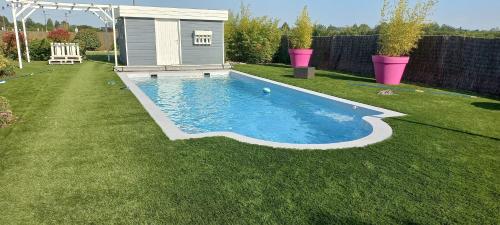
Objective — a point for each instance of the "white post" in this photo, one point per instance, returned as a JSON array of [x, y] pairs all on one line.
[[106, 40], [51, 50], [26, 40], [28, 57], [16, 31], [114, 35]]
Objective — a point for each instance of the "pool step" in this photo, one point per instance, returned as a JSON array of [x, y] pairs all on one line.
[[172, 68]]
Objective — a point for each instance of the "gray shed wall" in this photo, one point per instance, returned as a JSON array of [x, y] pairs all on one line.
[[199, 55], [121, 41], [141, 41]]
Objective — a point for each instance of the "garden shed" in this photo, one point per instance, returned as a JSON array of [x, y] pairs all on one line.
[[157, 36]]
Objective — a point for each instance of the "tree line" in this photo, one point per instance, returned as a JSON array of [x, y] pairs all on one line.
[[31, 25], [429, 29]]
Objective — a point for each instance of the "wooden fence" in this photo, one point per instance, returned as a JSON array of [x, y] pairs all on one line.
[[108, 44], [460, 63]]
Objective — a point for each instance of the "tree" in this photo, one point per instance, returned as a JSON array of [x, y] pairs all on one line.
[[88, 40], [40, 49], [64, 25], [321, 30], [57, 24], [87, 27], [251, 39], [30, 23], [59, 35], [285, 28], [50, 24], [364, 29], [10, 46], [4, 21]]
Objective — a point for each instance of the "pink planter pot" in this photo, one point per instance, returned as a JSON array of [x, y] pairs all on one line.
[[300, 57], [389, 70]]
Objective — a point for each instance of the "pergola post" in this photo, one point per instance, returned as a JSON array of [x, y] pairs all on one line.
[[114, 35], [16, 31], [28, 57], [27, 51], [106, 41]]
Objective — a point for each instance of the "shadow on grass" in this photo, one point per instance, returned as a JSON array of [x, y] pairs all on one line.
[[100, 58], [336, 76], [487, 105], [446, 128], [277, 65], [330, 74]]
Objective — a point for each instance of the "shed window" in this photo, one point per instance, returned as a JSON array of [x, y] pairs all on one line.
[[202, 37]]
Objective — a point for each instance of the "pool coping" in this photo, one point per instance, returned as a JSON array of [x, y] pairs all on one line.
[[381, 130]]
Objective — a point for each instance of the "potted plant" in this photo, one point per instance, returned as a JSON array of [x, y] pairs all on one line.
[[400, 30], [301, 40]]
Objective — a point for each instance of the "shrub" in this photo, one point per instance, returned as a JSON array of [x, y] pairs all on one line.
[[88, 40], [301, 35], [251, 39], [9, 44], [402, 27], [6, 67], [6, 116], [59, 35], [40, 50]]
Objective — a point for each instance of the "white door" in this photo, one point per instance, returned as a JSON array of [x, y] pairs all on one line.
[[167, 42]]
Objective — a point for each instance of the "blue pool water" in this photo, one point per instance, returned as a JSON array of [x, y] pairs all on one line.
[[238, 104]]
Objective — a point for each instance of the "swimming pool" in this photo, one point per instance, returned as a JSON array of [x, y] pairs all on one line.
[[255, 110]]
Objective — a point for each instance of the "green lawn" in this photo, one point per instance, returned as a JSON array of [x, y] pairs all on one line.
[[84, 151]]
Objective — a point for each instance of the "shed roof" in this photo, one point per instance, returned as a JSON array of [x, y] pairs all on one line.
[[172, 13]]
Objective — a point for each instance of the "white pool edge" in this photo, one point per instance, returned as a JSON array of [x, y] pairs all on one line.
[[381, 130]]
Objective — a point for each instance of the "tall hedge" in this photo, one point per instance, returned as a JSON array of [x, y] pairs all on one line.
[[251, 39], [40, 50], [9, 44], [88, 40]]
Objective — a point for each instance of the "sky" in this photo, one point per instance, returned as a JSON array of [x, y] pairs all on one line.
[[469, 14]]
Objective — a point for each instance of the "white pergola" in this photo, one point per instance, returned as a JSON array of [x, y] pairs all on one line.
[[24, 8]]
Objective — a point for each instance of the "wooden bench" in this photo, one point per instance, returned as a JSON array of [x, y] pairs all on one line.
[[65, 53]]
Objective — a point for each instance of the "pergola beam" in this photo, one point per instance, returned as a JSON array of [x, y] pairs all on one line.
[[66, 8], [29, 14], [24, 8], [60, 4], [100, 17], [105, 14]]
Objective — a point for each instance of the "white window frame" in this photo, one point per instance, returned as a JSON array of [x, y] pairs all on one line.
[[202, 38]]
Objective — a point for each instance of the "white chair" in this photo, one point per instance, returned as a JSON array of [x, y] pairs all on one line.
[[65, 53]]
